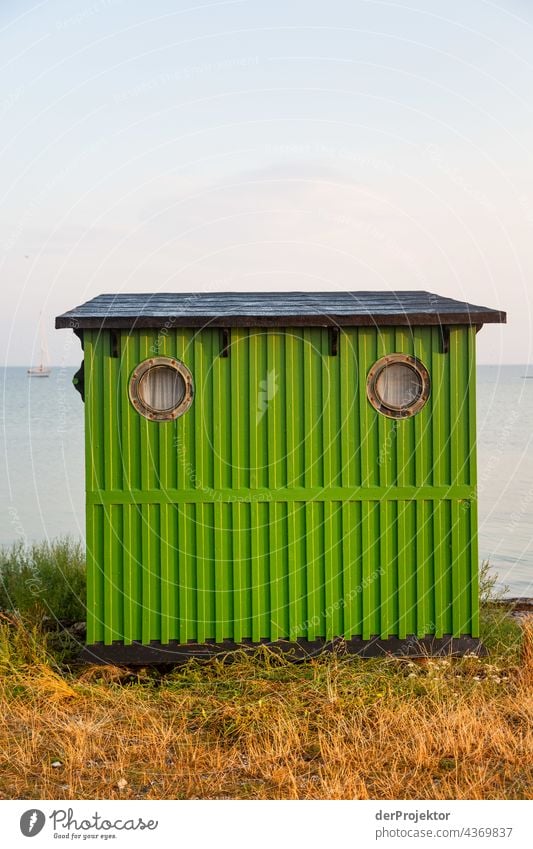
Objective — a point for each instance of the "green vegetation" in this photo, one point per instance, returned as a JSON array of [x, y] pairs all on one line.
[[45, 579]]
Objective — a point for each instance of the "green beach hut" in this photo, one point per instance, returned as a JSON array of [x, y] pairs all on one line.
[[290, 468]]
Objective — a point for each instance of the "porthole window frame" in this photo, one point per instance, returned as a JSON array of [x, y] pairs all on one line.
[[374, 375], [151, 413]]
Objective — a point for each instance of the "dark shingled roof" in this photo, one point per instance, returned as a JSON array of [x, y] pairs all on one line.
[[274, 309]]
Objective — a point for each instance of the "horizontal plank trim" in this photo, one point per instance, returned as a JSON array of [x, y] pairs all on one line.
[[334, 493]]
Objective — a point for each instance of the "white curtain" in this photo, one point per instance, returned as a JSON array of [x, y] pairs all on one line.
[[162, 388], [398, 386]]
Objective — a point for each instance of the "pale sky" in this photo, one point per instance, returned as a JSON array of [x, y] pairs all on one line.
[[239, 145]]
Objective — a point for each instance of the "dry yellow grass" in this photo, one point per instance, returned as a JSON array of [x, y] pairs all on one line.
[[265, 729]]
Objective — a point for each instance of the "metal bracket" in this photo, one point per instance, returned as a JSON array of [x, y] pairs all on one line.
[[224, 342], [114, 341], [445, 339], [333, 341]]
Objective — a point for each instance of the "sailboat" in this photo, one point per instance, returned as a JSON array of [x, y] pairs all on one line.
[[43, 369]]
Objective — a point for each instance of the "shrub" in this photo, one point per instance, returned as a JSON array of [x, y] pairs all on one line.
[[44, 579]]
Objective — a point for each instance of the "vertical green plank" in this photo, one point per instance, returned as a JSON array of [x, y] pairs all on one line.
[[276, 578], [473, 535], [404, 567], [429, 507], [203, 360], [147, 602], [457, 582], [131, 467], [312, 555], [186, 572], [127, 542], [260, 571], [329, 567], [474, 571], [466, 571], [404, 432], [117, 571], [112, 417], [174, 573], [424, 476], [313, 407], [386, 430], [367, 356], [95, 412], [89, 411], [264, 569], [394, 576], [422, 420], [94, 576], [138, 524], [258, 590], [189, 445], [460, 465], [93, 599], [331, 449], [271, 408], [439, 402], [259, 403], [377, 568], [243, 398], [240, 415], [352, 568], [439, 566], [247, 569], [294, 406], [337, 571], [154, 565], [308, 411], [448, 575], [458, 405], [386, 561], [201, 570], [145, 459], [412, 570], [367, 561], [334, 623], [238, 572], [202, 409], [347, 532], [163, 345], [297, 570], [183, 442], [223, 571], [167, 579], [253, 390], [421, 555], [204, 571], [280, 413], [130, 417], [349, 413], [109, 589], [225, 425]]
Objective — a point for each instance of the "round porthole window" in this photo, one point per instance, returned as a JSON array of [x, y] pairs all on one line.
[[398, 386], [161, 389]]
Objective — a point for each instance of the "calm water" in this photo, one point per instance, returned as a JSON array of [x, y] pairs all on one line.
[[42, 459]]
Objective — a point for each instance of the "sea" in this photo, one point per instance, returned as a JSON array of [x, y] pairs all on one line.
[[42, 465]]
